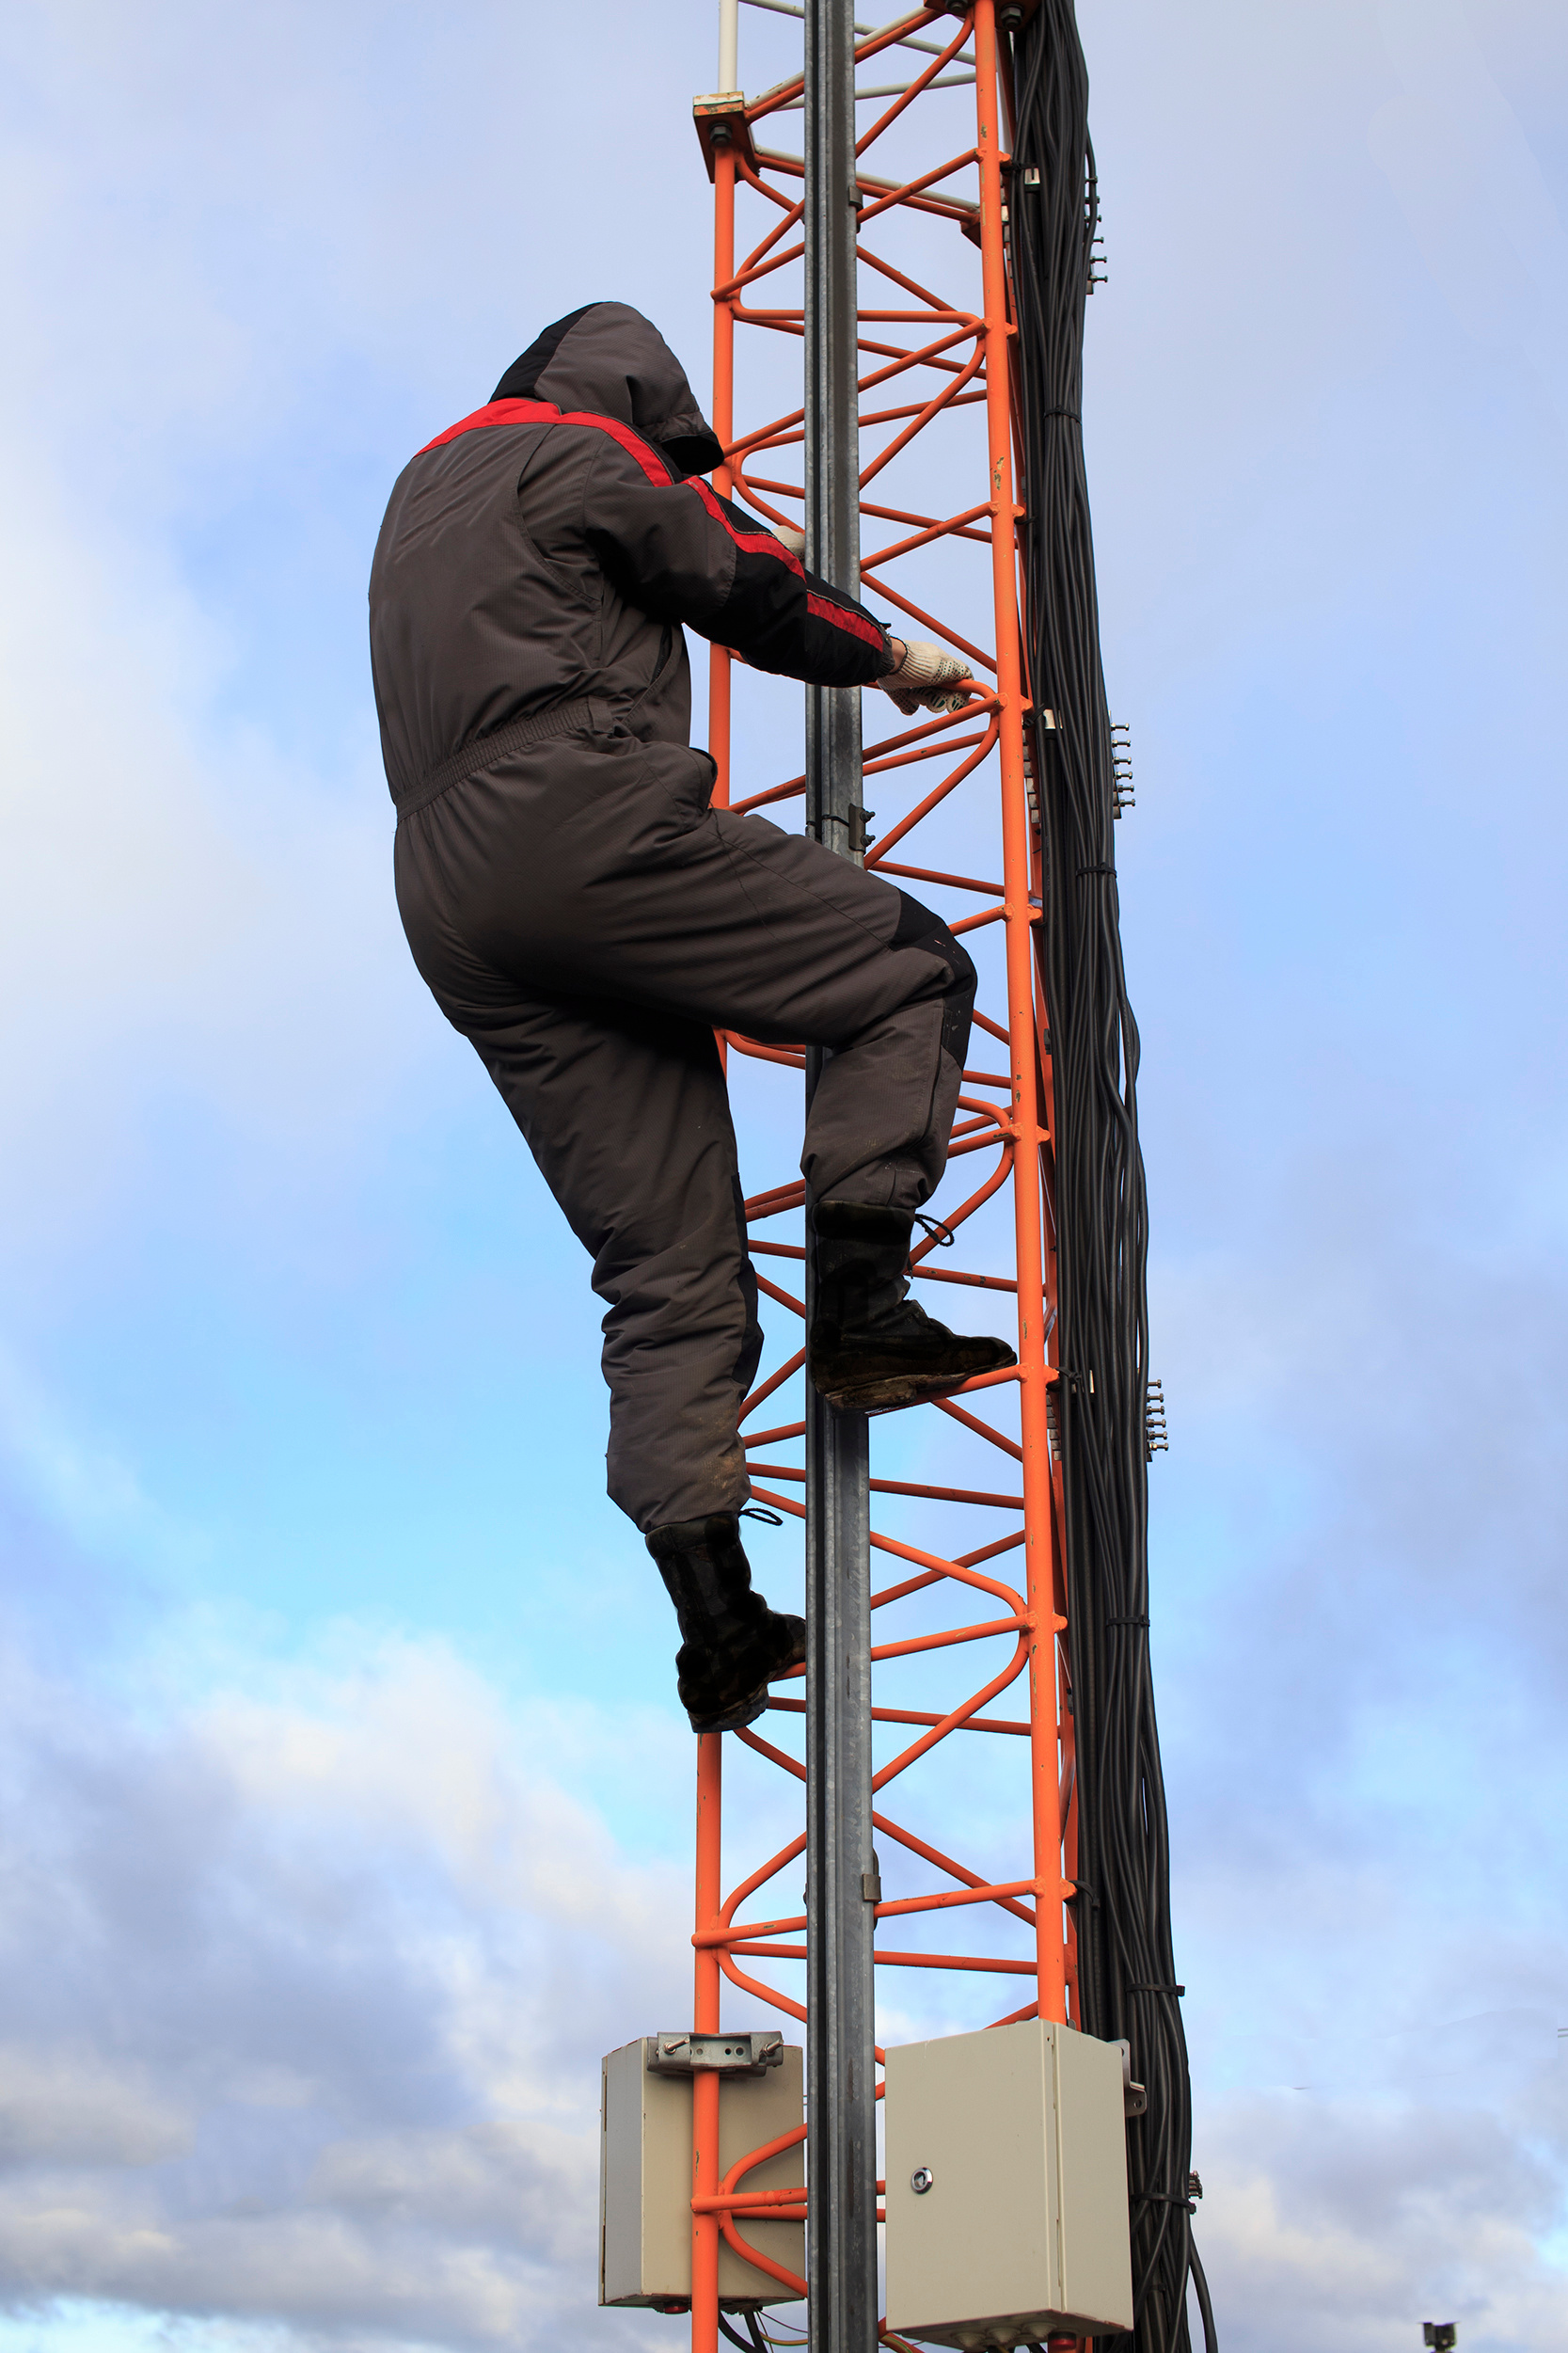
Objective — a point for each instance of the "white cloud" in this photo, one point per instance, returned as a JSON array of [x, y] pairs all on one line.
[[193, 910], [306, 1987], [74, 2107], [308, 1995], [181, 911], [1350, 2224]]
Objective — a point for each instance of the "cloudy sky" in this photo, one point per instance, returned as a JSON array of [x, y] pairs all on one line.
[[344, 1823]]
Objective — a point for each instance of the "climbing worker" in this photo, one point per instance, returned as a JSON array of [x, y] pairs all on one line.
[[587, 921]]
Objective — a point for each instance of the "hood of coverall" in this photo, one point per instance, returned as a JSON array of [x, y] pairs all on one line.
[[609, 360]]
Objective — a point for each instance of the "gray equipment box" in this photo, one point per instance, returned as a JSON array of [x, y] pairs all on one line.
[[645, 2179], [1007, 2188]]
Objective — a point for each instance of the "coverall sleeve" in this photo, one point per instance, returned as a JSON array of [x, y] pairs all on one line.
[[680, 552]]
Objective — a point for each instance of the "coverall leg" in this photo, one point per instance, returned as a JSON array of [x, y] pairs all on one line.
[[587, 921]]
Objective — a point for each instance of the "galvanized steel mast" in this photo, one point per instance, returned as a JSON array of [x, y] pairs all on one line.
[[840, 1864]]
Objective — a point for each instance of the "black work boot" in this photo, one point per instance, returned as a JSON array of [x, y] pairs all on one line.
[[872, 1348], [732, 1643]]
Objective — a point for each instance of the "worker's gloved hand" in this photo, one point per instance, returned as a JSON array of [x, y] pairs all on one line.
[[926, 679]]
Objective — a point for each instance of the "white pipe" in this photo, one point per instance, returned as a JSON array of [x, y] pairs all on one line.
[[729, 44]]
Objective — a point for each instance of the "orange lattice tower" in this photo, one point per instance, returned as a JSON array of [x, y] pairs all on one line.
[[978, 1567]]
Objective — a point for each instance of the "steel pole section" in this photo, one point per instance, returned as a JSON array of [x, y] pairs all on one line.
[[705, 2082], [719, 674], [841, 2110]]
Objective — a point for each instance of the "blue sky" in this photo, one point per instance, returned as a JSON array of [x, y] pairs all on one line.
[[346, 1824]]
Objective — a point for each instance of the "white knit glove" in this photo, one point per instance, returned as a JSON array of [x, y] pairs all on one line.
[[926, 679], [794, 540]]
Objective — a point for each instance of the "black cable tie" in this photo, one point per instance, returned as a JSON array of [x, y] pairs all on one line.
[[1083, 870], [1124, 1621], [1155, 1989], [943, 1235], [760, 1511], [1161, 2198], [1075, 414]]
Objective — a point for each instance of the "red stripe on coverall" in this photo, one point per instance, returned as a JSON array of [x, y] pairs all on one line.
[[545, 413], [762, 542], [754, 543]]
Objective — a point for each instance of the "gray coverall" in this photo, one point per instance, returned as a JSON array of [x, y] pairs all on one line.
[[580, 913]]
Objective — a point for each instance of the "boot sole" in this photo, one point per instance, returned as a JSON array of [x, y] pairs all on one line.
[[891, 1392], [733, 1719], [744, 1711]]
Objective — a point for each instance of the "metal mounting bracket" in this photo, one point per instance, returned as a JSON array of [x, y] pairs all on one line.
[[1134, 2097], [722, 121], [720, 2054]]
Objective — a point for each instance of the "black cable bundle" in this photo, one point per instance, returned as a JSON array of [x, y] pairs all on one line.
[[1125, 1968]]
